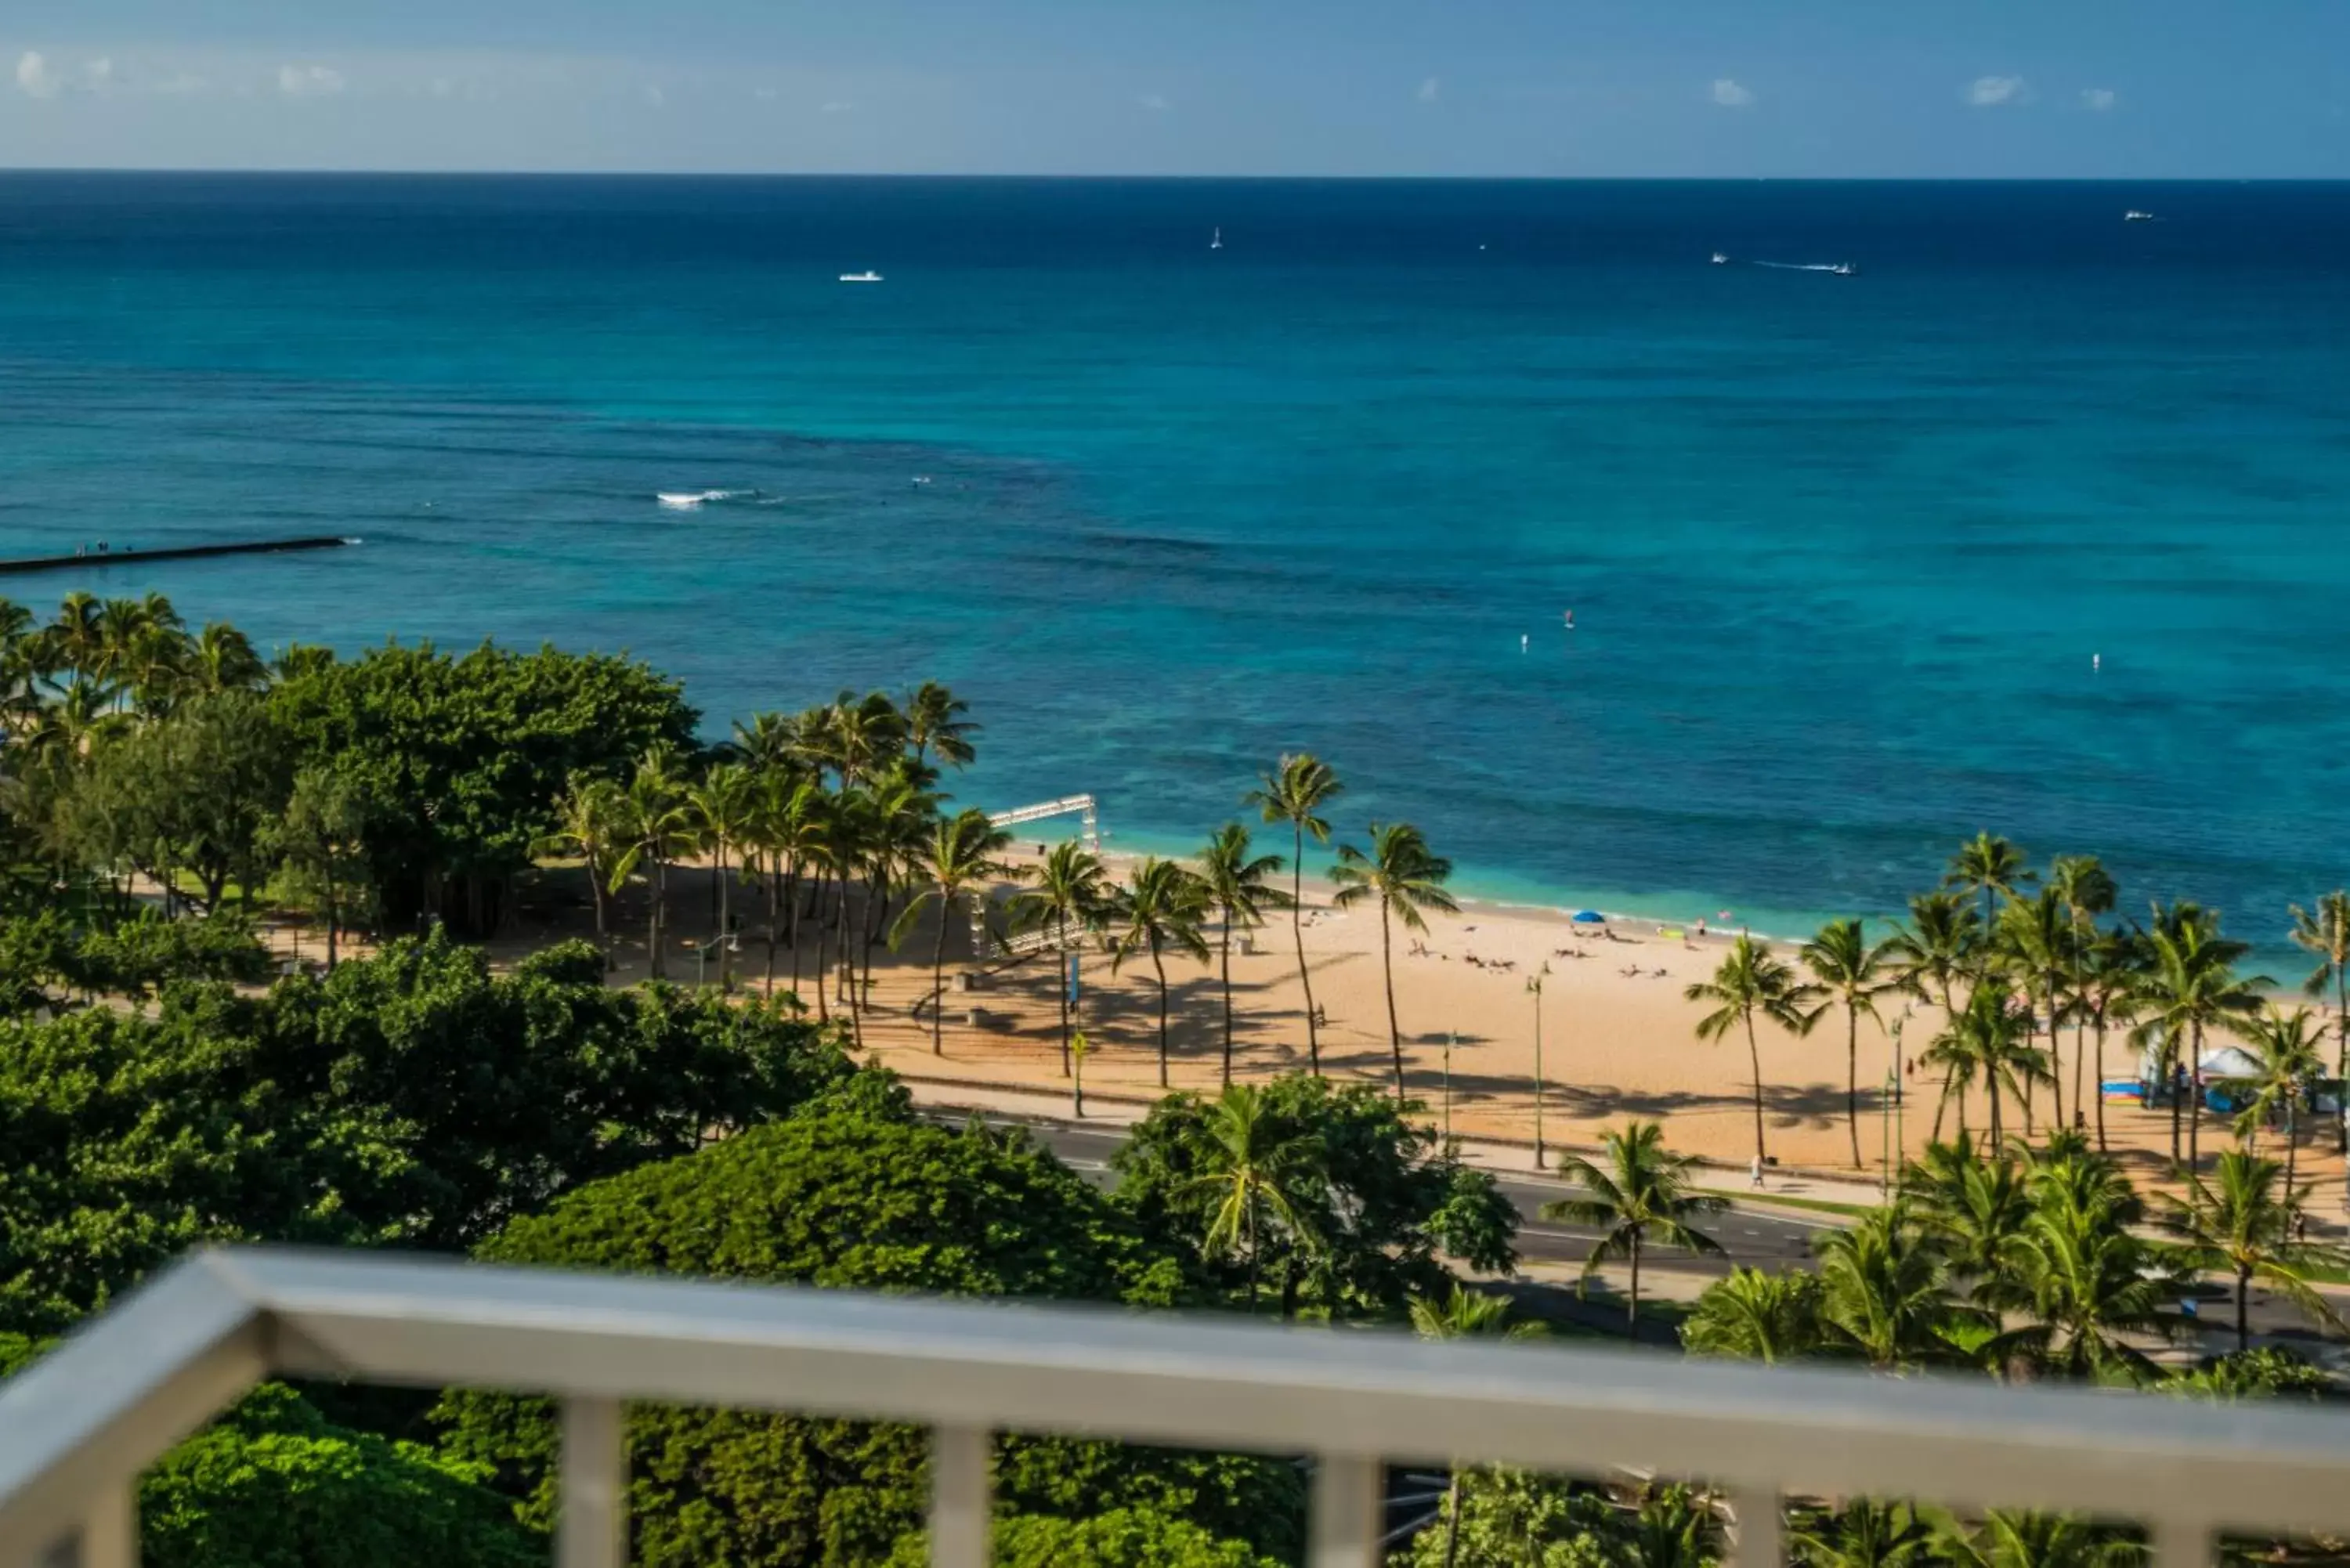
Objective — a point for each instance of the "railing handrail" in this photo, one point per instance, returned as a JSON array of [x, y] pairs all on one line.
[[120, 1390]]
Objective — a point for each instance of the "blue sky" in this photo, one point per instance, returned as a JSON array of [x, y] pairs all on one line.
[[1680, 87]]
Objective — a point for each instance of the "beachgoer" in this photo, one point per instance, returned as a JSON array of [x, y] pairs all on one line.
[[1754, 1172], [1570, 621], [1701, 927], [2096, 662], [1524, 641]]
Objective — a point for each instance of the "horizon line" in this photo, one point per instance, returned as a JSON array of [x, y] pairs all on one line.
[[747, 175]]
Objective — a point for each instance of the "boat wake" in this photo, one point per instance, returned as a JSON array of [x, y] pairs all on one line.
[[1843, 268]]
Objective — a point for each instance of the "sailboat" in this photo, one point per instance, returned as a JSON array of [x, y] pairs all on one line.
[[1217, 244]]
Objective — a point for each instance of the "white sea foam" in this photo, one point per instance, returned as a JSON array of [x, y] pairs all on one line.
[[689, 500]]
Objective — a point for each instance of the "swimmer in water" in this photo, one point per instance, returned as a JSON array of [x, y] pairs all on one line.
[[2096, 662], [1524, 641], [1568, 620]]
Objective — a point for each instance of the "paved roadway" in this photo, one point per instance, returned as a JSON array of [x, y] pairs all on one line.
[[1749, 1235]]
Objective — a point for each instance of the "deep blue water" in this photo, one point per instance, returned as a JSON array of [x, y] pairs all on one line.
[[1840, 549]]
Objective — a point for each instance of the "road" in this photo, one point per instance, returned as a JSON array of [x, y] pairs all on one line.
[[1750, 1236]]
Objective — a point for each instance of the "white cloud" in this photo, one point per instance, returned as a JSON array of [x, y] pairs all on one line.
[[1991, 92], [33, 75], [180, 84], [98, 75], [655, 97], [837, 107], [1431, 90], [764, 94], [1730, 95], [1154, 102], [310, 81], [2099, 98]]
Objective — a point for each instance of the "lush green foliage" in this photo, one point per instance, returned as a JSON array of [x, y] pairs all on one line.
[[414, 1098], [851, 1198], [1368, 1199], [460, 761]]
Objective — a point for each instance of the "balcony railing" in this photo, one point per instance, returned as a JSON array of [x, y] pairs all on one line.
[[76, 1429]]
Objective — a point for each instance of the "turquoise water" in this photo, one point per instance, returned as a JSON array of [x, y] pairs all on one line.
[[1840, 549]]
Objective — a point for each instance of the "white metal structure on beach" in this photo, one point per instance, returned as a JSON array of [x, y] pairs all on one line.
[[79, 1427], [1018, 816]]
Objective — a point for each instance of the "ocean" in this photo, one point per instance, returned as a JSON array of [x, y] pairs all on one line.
[[1841, 550]]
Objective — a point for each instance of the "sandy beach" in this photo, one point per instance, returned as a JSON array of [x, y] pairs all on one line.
[[1619, 1038]]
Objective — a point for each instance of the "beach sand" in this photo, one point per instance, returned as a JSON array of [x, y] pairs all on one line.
[[1619, 1038]]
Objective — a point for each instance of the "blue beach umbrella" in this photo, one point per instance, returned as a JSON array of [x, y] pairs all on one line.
[[1589, 918]]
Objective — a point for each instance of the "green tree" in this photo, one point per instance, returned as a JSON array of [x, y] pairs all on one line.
[[1849, 969], [2287, 1046], [1391, 1199], [2086, 889], [1933, 952], [2084, 1286], [191, 793], [1885, 1291], [1863, 1533], [655, 829], [2190, 986], [463, 759], [587, 822], [878, 1203], [1753, 1316], [2038, 937], [2325, 932], [1973, 1207], [1262, 1172], [1240, 885], [1642, 1196], [1297, 792], [722, 818], [320, 842], [1070, 896], [1987, 1040], [1751, 979], [1160, 907], [1991, 868], [1402, 878], [935, 721], [2246, 1220], [1465, 1314], [2018, 1539]]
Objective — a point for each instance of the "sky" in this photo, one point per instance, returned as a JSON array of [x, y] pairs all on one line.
[[1785, 89]]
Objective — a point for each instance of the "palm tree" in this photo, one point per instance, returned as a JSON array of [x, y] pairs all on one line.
[[960, 857], [1989, 866], [1865, 1533], [1972, 1208], [2191, 986], [1465, 1314], [1885, 1291], [1755, 1316], [2286, 1044], [1160, 907], [655, 828], [1296, 793], [2244, 1220], [2325, 932], [2085, 1285], [2086, 889], [2110, 979], [2019, 1540], [1403, 879], [1072, 889], [723, 810], [935, 723], [1240, 886], [1261, 1166], [1933, 952], [1851, 970], [789, 819], [588, 816], [1645, 1194], [1750, 980], [2039, 938], [223, 660], [1986, 1041]]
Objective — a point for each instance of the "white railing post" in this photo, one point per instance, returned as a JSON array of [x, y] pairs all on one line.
[[1756, 1536], [1346, 1522], [960, 1512], [591, 1498]]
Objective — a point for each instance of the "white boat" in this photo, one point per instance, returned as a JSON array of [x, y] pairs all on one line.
[[1720, 258], [2134, 216], [860, 277], [1844, 269], [1217, 243]]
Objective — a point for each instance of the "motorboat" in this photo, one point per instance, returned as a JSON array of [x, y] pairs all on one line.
[[1720, 258], [2134, 216], [860, 277]]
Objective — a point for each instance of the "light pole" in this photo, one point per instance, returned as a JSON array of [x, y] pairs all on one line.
[[1535, 985], [1451, 1040]]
